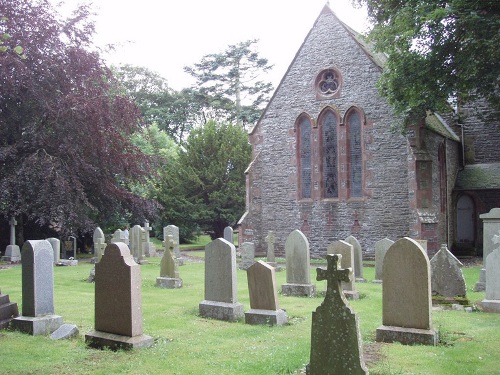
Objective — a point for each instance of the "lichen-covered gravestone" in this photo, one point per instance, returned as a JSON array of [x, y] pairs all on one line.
[[169, 271], [99, 243], [172, 230], [406, 295], [270, 240], [381, 248], [447, 279], [38, 316], [491, 228], [137, 242], [335, 338], [221, 300], [358, 258], [347, 252], [298, 278], [264, 307], [491, 303], [118, 302], [247, 255]]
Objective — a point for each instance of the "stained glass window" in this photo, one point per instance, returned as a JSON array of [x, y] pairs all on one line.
[[305, 157], [355, 154], [330, 177]]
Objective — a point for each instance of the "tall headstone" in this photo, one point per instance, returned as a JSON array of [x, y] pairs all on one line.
[[447, 279], [173, 231], [247, 255], [381, 248], [8, 311], [347, 261], [221, 300], [271, 240], [298, 277], [149, 247], [169, 271], [118, 302], [228, 234], [491, 227], [335, 337], [56, 247], [119, 236], [406, 295], [491, 303], [12, 251], [262, 288], [358, 258], [137, 241], [38, 316], [99, 243]]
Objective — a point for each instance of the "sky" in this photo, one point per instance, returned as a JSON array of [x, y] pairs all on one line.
[[165, 36]]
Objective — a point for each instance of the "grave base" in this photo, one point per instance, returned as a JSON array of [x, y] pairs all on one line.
[[101, 340], [351, 294], [38, 325], [491, 305], [168, 282], [12, 254], [266, 317], [273, 264], [67, 262], [221, 310], [298, 290], [377, 281], [407, 336], [481, 284], [360, 280]]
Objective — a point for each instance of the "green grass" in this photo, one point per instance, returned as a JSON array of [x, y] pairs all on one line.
[[185, 343]]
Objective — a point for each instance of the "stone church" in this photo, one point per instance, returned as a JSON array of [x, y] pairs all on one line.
[[326, 161]]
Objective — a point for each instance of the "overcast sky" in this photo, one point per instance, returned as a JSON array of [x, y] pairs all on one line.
[[165, 36]]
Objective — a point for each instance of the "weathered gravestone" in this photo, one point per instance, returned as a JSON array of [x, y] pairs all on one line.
[[228, 234], [169, 271], [264, 307], [66, 331], [270, 240], [137, 241], [247, 255], [358, 258], [381, 248], [447, 279], [298, 278], [221, 301], [38, 316], [12, 251], [99, 243], [119, 236], [491, 227], [8, 311], [56, 248], [335, 337], [491, 303], [149, 247], [347, 256], [118, 302], [406, 295], [172, 230]]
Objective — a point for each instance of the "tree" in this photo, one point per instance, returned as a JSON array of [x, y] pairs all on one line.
[[230, 79], [65, 153], [437, 51], [204, 189]]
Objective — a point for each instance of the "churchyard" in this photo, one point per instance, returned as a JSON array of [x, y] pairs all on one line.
[[186, 343]]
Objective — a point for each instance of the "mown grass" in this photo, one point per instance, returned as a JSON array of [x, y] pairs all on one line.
[[185, 343]]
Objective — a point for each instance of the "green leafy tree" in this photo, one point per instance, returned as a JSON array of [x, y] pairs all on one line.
[[231, 82], [437, 50]]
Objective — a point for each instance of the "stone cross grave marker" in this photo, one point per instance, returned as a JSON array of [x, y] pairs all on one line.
[[347, 256], [447, 279], [298, 278], [264, 307], [381, 248], [406, 295], [12, 251], [173, 231], [491, 227], [118, 302], [358, 258], [38, 316], [149, 248], [99, 243], [137, 241], [56, 247], [335, 337], [221, 300], [169, 271], [228, 234], [270, 240], [491, 303], [247, 255]]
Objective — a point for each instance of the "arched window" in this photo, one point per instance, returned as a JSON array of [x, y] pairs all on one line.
[[328, 122], [355, 152], [305, 164]]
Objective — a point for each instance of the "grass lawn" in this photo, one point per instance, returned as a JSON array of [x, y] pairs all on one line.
[[185, 343]]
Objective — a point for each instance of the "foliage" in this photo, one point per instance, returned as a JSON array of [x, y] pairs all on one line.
[[226, 81], [65, 153], [437, 51], [204, 188]]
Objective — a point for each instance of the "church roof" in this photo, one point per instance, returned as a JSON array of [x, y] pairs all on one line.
[[437, 124], [479, 177]]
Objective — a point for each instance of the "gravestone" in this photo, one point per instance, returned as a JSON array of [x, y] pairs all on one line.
[[173, 231], [335, 337], [406, 295], [66, 331], [12, 251], [149, 247], [169, 271], [347, 262], [228, 234], [247, 255], [137, 241], [56, 247], [8, 311], [119, 236], [447, 279], [69, 253], [491, 303], [270, 240], [221, 301], [264, 307], [491, 227], [358, 258], [99, 243], [118, 302], [298, 277], [38, 316], [381, 248]]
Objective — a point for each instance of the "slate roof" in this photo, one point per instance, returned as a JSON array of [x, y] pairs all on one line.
[[437, 124], [479, 177]]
